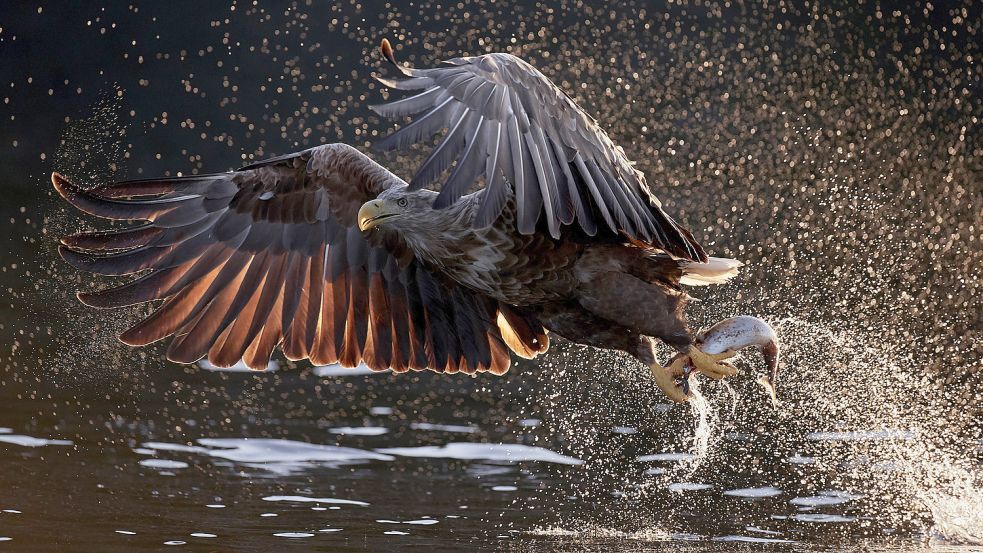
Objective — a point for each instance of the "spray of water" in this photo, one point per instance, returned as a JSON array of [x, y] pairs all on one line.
[[92, 152], [853, 416]]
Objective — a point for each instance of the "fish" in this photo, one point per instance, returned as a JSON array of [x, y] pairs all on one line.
[[737, 333]]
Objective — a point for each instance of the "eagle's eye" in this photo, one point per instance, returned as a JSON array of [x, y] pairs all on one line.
[[402, 202]]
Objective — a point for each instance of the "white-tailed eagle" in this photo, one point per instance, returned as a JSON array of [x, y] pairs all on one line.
[[540, 225]]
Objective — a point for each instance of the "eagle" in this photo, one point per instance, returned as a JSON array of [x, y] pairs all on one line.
[[538, 224]]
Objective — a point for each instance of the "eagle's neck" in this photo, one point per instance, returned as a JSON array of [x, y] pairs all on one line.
[[446, 239], [439, 235]]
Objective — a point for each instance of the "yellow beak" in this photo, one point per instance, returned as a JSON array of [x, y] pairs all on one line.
[[370, 213]]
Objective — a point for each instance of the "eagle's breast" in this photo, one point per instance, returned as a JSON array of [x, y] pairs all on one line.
[[515, 268]]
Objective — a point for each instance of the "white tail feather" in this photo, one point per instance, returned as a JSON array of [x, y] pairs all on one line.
[[717, 270]]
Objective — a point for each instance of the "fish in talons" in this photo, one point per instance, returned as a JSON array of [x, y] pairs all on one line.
[[723, 341]]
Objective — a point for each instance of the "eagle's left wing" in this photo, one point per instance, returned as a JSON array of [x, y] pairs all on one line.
[[508, 123]]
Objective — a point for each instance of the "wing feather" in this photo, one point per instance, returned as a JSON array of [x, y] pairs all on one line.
[[495, 193], [587, 180], [270, 255], [444, 154], [464, 173]]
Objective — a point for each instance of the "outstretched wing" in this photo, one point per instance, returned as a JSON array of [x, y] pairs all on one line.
[[271, 255], [507, 122]]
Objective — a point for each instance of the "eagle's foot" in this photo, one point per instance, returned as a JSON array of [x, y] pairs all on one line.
[[666, 377], [709, 363]]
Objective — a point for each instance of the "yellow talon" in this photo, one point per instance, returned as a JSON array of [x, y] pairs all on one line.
[[709, 363], [664, 377]]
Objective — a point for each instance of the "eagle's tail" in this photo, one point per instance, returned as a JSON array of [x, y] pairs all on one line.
[[717, 270]]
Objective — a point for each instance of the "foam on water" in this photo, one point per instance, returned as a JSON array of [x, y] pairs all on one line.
[[487, 452], [750, 539], [832, 497], [30, 441], [820, 517], [265, 450], [667, 457], [162, 446], [801, 460], [163, 464], [600, 532], [862, 435], [423, 522], [688, 487], [359, 430], [754, 493], [305, 499], [762, 531], [274, 456], [444, 427]]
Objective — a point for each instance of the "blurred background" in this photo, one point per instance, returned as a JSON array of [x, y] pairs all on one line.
[[833, 147]]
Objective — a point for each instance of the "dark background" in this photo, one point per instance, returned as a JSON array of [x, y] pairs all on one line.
[[834, 148]]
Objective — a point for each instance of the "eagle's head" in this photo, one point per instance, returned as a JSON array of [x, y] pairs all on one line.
[[395, 209], [409, 216], [403, 211]]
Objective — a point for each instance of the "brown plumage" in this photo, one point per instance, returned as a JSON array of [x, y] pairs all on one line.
[[332, 258]]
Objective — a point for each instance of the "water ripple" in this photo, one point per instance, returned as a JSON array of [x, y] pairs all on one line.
[[29, 441], [487, 452], [305, 499], [754, 493]]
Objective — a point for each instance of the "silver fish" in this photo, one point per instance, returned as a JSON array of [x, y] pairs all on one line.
[[737, 333]]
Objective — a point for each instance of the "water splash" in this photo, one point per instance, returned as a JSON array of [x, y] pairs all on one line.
[[957, 514], [873, 430], [705, 419], [707, 427], [892, 432]]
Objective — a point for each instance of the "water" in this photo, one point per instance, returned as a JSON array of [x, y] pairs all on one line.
[[466, 472], [833, 148]]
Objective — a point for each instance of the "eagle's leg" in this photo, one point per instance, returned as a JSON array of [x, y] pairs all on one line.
[[652, 309], [666, 377], [576, 324]]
